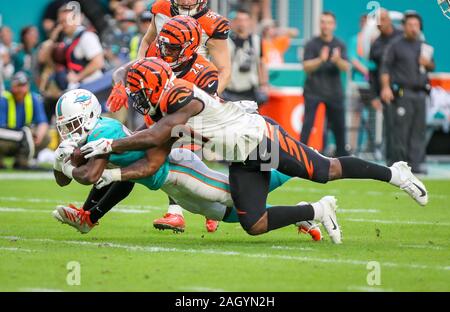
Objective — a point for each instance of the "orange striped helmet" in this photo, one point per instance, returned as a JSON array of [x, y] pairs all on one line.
[[179, 40], [146, 81]]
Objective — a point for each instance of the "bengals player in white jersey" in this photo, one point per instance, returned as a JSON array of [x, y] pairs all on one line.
[[252, 144]]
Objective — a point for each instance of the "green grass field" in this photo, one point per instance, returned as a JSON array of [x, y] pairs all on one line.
[[124, 253]]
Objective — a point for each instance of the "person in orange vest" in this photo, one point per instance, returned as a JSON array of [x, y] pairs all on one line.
[[23, 123]]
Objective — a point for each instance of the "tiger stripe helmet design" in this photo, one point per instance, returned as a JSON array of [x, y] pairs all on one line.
[[179, 40], [146, 81]]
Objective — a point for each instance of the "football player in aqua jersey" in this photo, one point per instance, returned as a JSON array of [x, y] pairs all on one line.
[[177, 172]]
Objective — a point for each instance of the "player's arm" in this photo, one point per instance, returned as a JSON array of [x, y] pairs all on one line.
[[161, 132], [148, 166], [157, 135], [142, 127], [120, 74], [148, 38], [89, 173], [61, 179], [220, 56]]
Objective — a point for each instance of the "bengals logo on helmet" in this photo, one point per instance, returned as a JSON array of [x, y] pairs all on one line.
[[178, 40], [146, 80]]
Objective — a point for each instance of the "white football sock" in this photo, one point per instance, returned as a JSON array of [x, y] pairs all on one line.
[[395, 179], [175, 209], [318, 211]]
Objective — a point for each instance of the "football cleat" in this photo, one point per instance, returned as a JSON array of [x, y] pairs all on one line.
[[329, 220], [211, 225], [311, 228], [170, 221], [410, 184], [73, 216]]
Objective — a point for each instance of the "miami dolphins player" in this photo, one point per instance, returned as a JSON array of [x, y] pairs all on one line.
[[177, 172]]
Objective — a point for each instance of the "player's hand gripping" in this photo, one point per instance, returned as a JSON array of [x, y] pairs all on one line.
[[108, 176], [98, 147], [64, 150]]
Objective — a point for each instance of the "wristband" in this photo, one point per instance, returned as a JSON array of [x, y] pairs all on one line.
[[67, 169], [116, 174], [57, 165]]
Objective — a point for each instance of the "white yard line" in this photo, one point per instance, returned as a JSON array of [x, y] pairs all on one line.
[[402, 222], [292, 248], [16, 249], [319, 190], [66, 201], [368, 289], [27, 176], [40, 290], [48, 211], [156, 249], [357, 211], [201, 289], [423, 247]]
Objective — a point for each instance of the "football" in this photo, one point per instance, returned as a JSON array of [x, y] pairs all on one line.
[[77, 159]]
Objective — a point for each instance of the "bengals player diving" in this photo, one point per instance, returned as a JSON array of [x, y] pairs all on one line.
[[252, 144]]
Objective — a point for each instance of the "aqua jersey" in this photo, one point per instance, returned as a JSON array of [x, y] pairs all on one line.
[[109, 128]]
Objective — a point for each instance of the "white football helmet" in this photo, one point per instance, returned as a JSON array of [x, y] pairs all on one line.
[[77, 112]]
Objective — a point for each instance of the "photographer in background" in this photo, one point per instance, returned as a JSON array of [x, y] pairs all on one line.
[[404, 86], [249, 78]]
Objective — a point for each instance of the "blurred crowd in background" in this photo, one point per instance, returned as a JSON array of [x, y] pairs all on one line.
[[62, 54]]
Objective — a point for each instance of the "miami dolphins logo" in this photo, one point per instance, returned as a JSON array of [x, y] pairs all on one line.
[[82, 98], [445, 7]]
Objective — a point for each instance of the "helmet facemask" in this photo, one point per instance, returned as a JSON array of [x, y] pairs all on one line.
[[189, 10], [73, 128], [141, 98], [172, 53]]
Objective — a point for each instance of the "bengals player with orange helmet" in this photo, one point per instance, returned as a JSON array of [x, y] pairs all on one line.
[[215, 30], [177, 44], [252, 144]]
